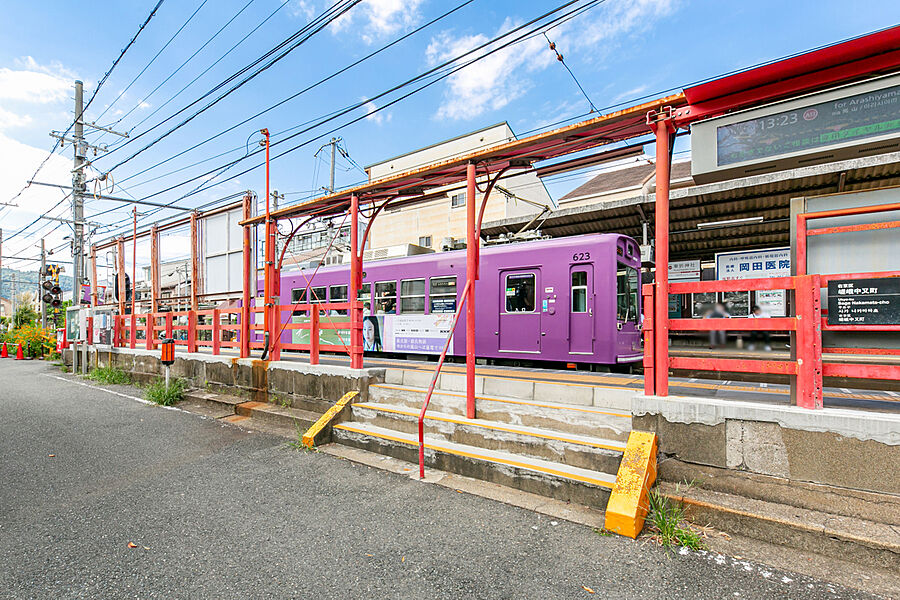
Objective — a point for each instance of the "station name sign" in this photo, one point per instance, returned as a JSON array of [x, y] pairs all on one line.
[[864, 301]]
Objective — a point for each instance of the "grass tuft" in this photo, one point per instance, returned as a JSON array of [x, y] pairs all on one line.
[[109, 375], [667, 523], [157, 392], [298, 443]]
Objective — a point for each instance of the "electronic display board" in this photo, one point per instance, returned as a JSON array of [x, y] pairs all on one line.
[[856, 117]]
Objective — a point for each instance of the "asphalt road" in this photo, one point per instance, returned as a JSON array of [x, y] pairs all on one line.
[[216, 512]]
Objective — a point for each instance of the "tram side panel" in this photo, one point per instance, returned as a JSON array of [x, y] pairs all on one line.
[[557, 300]]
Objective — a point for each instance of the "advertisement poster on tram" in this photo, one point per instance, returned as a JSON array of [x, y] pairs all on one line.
[[418, 334]]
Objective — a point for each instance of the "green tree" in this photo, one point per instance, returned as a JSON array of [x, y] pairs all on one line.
[[25, 315]]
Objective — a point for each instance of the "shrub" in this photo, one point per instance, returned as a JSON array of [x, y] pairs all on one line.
[[157, 392], [35, 341], [109, 375]]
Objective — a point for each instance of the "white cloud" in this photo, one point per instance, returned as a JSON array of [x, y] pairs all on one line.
[[492, 82], [9, 120], [372, 19], [19, 162], [498, 79], [34, 84], [632, 93], [376, 117], [304, 9]]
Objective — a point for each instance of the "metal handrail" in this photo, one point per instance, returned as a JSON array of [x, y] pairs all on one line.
[[437, 371]]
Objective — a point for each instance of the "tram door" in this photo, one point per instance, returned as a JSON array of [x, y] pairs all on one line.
[[628, 318], [581, 309], [520, 315]]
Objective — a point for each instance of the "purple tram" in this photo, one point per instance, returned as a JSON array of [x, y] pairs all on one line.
[[572, 300]]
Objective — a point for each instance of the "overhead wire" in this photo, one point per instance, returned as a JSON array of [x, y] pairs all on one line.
[[313, 85], [147, 66], [436, 74], [306, 32]]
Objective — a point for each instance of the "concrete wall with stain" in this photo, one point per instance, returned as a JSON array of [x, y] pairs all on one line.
[[837, 447], [254, 379]]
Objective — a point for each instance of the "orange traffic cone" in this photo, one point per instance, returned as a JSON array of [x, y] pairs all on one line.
[[19, 355], [4, 353]]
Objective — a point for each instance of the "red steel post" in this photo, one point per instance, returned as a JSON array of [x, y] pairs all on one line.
[[216, 332], [809, 342], [663, 128], [471, 276], [148, 331], [195, 262], [649, 357], [247, 282], [94, 295], [356, 350], [168, 332], [154, 269], [314, 336], [134, 280], [192, 331]]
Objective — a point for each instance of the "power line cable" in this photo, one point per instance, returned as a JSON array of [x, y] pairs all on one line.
[[312, 86], [438, 73], [431, 72], [187, 60], [305, 33], [147, 66]]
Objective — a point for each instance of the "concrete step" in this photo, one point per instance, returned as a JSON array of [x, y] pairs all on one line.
[[235, 409], [554, 480], [848, 538], [555, 416], [611, 397], [571, 449], [860, 504]]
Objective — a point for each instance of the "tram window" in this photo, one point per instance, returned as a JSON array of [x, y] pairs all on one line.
[[627, 289], [338, 293], [365, 296], [385, 297], [579, 291], [520, 293], [412, 296], [443, 294]]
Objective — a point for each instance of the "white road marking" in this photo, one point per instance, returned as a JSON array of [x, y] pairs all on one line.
[[130, 397]]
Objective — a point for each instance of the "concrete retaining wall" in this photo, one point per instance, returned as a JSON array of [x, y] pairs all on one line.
[[255, 379], [845, 448]]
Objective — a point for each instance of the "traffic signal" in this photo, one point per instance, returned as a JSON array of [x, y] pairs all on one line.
[[50, 284]]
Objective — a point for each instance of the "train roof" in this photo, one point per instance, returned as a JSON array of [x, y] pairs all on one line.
[[492, 250]]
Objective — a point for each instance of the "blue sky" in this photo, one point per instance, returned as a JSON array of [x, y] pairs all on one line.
[[620, 50]]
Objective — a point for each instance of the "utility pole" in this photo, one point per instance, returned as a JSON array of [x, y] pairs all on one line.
[[334, 142], [39, 288], [77, 197], [78, 186], [334, 147]]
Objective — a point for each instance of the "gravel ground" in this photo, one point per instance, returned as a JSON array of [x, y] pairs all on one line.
[[217, 512]]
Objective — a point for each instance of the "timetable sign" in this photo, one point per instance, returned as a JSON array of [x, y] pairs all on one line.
[[864, 301]]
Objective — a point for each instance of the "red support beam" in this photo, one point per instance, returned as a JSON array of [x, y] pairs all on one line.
[[735, 324], [854, 228], [858, 371], [734, 365], [216, 332], [662, 125], [356, 345], [247, 278], [314, 336], [471, 275], [154, 269], [808, 388], [148, 331], [95, 299], [649, 357], [195, 262]]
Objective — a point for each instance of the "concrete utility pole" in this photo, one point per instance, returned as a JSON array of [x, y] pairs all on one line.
[[43, 272], [77, 197], [334, 142]]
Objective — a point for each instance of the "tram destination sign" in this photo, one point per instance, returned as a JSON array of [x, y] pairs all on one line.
[[864, 301]]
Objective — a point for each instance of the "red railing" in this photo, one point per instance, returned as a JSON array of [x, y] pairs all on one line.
[[188, 327], [434, 378], [807, 323]]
